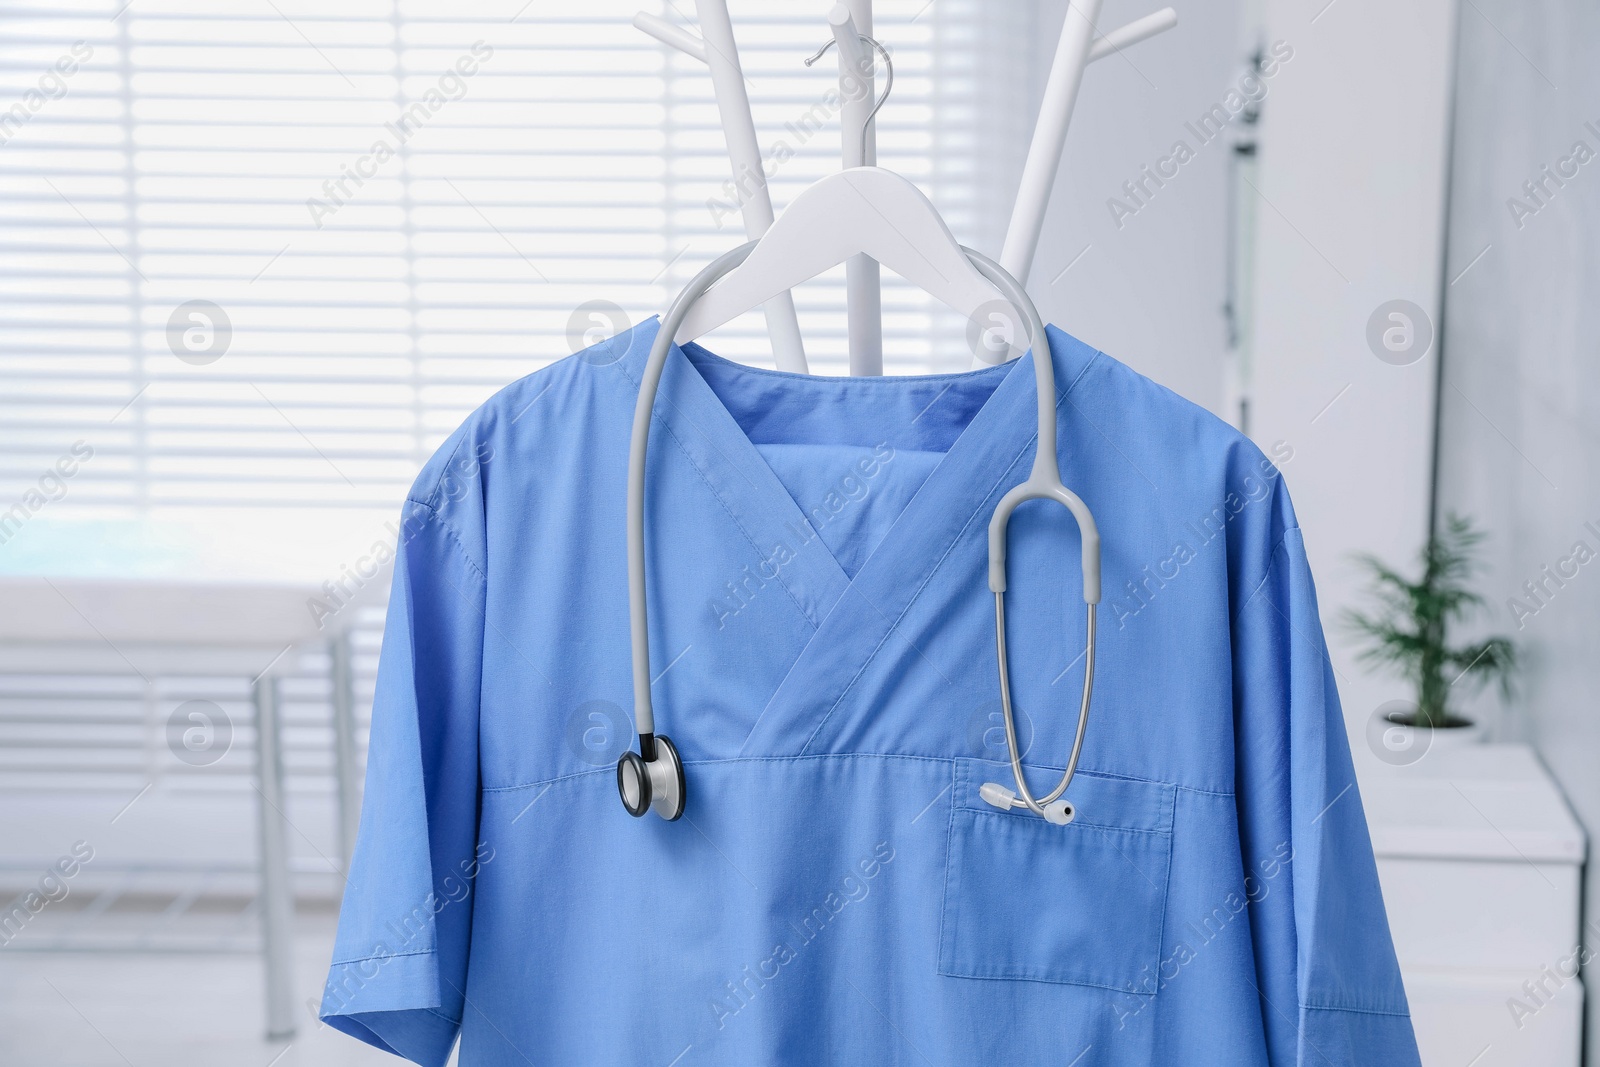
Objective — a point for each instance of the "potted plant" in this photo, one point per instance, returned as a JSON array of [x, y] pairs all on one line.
[[1408, 631]]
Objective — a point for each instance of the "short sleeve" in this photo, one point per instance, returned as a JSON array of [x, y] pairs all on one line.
[[399, 964], [1328, 981]]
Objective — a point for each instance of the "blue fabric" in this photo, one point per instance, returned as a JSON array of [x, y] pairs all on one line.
[[836, 891]]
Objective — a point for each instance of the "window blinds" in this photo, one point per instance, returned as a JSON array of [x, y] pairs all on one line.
[[266, 254]]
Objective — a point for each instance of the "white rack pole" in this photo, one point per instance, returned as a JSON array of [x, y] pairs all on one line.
[[1134, 32], [669, 34], [749, 174], [1075, 51], [861, 14], [863, 295], [1049, 137]]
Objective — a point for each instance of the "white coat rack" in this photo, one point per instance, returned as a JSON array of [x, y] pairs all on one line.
[[1079, 46], [715, 47], [1081, 43], [859, 148]]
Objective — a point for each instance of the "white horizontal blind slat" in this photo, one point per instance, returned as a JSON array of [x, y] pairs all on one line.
[[176, 151]]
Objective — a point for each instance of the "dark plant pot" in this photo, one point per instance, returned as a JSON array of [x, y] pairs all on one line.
[[1451, 722], [1454, 731]]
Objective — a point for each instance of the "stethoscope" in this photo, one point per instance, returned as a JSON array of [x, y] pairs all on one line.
[[652, 778]]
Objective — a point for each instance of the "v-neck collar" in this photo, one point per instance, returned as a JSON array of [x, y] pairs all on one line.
[[853, 619], [733, 468]]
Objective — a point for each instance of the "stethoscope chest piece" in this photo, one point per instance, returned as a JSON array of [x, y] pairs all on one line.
[[655, 783]]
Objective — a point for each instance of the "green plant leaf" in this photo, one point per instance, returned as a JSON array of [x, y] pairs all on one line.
[[1408, 626]]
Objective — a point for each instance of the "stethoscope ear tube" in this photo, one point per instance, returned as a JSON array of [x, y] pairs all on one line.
[[1044, 483], [1088, 533], [638, 450], [1047, 807]]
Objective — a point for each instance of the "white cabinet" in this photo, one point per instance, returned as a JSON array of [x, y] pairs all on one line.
[[1481, 865]]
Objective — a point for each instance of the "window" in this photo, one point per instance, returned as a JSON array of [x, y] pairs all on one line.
[[266, 254]]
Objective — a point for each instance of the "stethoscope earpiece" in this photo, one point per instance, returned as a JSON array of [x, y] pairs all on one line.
[[996, 795]]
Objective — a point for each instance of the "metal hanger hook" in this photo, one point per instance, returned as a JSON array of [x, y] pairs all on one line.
[[888, 81]]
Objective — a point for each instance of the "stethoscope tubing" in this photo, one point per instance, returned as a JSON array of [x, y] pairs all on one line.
[[1044, 482], [638, 450]]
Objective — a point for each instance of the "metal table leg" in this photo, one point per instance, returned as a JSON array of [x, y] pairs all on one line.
[[347, 769], [277, 899]]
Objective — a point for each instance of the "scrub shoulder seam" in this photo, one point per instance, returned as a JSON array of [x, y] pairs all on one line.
[[450, 530], [1272, 565], [438, 482]]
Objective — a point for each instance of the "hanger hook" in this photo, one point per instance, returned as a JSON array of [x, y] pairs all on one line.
[[888, 81]]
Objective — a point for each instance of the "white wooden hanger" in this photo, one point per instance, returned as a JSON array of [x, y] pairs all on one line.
[[861, 211], [1080, 44]]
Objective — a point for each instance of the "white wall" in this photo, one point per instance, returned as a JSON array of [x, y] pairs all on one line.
[[1151, 292], [1352, 188], [1520, 418], [1350, 215]]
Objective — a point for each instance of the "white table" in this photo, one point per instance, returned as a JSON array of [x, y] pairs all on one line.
[[83, 598]]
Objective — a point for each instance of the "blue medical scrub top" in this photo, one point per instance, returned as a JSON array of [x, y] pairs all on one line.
[[822, 636]]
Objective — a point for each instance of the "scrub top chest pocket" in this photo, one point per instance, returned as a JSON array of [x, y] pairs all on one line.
[[1081, 904]]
